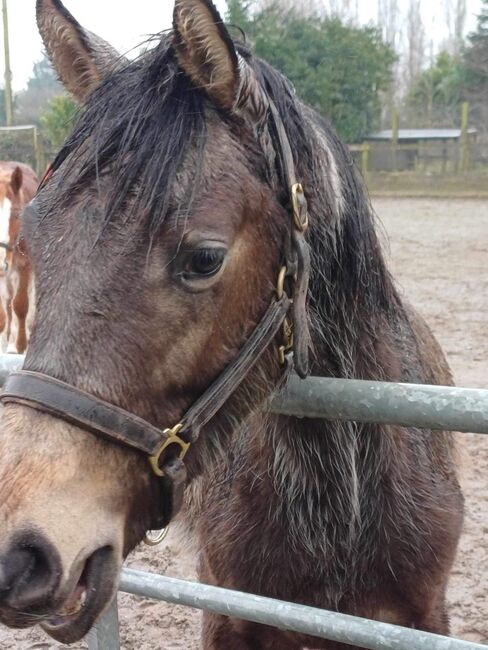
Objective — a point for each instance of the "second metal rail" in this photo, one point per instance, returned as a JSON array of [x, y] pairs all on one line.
[[334, 626]]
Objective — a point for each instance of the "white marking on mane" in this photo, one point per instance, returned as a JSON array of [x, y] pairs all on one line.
[[331, 176]]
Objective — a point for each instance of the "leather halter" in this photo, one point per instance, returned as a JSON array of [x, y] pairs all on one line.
[[167, 448]]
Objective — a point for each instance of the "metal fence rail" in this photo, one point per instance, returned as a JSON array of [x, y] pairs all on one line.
[[445, 408], [287, 616], [105, 634], [433, 407]]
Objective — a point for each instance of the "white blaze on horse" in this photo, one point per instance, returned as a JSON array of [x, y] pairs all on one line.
[[18, 185]]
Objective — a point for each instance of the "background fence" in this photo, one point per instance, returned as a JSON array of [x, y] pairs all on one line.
[[444, 157], [435, 407], [22, 144]]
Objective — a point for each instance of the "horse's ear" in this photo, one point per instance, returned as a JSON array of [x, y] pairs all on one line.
[[80, 58], [205, 50], [16, 180]]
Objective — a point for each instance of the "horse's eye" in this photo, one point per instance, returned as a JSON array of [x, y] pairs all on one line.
[[204, 262]]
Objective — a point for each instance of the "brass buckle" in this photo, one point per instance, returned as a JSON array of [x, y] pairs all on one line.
[[287, 342], [172, 439], [299, 205]]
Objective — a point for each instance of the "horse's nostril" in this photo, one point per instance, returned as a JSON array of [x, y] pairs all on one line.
[[29, 572], [14, 567]]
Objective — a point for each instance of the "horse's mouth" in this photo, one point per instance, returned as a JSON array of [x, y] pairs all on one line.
[[86, 601]]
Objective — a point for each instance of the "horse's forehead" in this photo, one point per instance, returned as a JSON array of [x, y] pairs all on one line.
[[222, 165]]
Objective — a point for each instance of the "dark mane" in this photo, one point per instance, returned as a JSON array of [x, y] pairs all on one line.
[[137, 125]]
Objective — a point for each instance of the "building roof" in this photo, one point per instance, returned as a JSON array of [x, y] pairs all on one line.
[[24, 127], [408, 135]]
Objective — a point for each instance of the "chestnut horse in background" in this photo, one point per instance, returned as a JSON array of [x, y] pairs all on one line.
[[165, 249], [18, 185]]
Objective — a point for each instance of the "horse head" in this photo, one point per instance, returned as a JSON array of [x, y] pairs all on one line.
[[11, 204], [162, 242]]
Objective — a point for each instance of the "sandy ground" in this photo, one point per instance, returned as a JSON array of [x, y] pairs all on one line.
[[438, 251]]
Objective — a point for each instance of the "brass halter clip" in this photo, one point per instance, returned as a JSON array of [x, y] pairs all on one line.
[[172, 439], [287, 344], [300, 209]]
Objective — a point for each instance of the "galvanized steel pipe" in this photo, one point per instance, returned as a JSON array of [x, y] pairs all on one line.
[[416, 405], [9, 363], [287, 616], [105, 634]]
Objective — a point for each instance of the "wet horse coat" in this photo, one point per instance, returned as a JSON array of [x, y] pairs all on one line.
[[18, 185], [157, 244]]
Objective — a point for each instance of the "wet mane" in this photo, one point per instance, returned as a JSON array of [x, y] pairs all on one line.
[[136, 126]]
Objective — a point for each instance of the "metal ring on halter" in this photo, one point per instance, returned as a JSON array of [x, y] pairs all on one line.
[[158, 537]]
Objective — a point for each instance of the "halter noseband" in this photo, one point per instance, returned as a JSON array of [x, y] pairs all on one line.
[[166, 448]]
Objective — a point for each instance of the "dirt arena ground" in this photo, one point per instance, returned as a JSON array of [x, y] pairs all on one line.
[[438, 252]]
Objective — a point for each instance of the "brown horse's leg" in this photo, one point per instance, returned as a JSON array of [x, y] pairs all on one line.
[[21, 307], [218, 634], [223, 633], [9, 318], [436, 618], [3, 318]]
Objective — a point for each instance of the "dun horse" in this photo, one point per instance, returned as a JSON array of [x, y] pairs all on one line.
[[170, 244], [18, 185]]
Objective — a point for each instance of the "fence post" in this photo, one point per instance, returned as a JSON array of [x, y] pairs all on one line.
[[464, 157], [9, 112], [395, 123], [105, 634], [365, 160], [37, 152]]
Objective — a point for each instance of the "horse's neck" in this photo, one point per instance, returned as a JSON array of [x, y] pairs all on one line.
[[319, 469], [322, 481]]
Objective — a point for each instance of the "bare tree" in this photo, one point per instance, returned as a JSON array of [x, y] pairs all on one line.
[[389, 19], [305, 7], [455, 13], [415, 45], [347, 10]]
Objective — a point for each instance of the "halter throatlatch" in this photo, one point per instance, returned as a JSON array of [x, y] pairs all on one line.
[[166, 448]]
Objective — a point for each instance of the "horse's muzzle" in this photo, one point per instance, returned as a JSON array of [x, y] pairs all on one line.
[[32, 590], [30, 573]]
